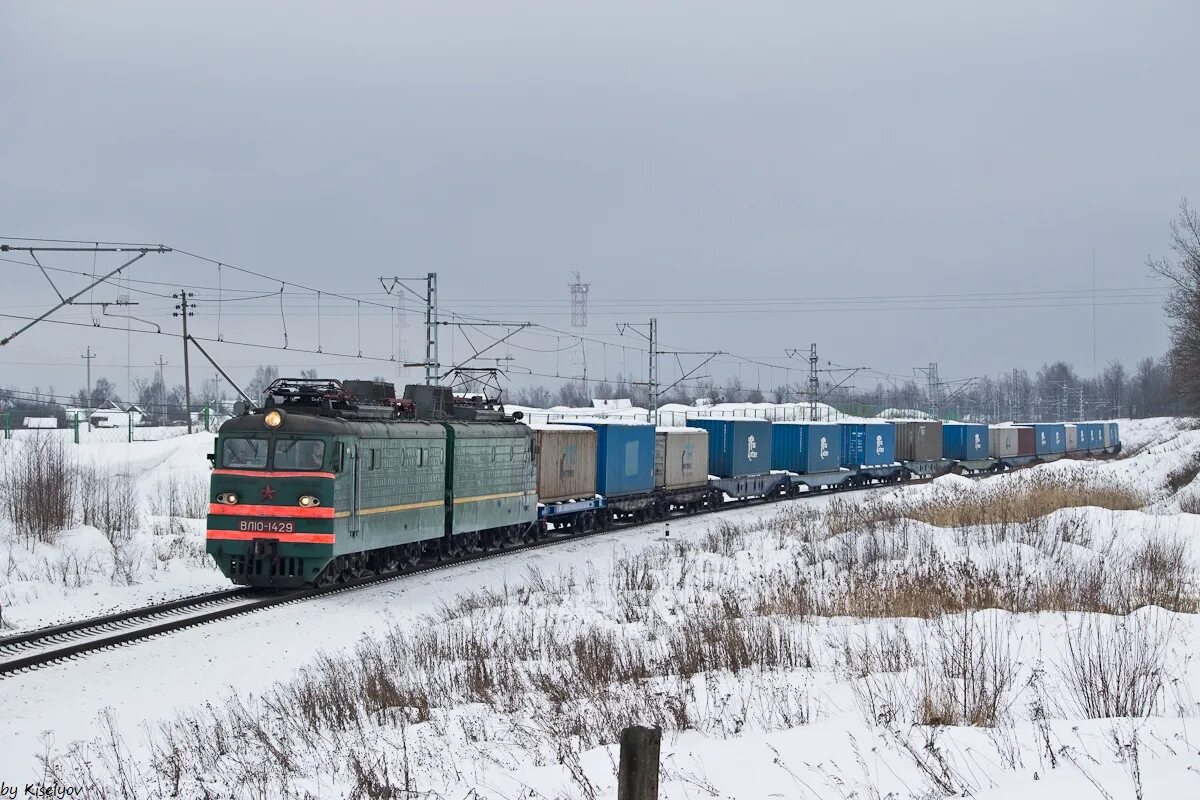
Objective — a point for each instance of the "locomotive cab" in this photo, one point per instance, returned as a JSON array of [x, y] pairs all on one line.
[[272, 497]]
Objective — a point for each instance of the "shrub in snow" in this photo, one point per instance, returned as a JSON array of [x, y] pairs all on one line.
[[37, 487]]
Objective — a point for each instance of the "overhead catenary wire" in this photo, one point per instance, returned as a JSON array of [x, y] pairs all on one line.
[[205, 339], [283, 316], [950, 301]]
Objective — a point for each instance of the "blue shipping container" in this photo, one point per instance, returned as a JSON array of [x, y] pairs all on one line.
[[1114, 432], [964, 442], [806, 447], [624, 458], [1094, 436], [1049, 438], [870, 444], [736, 447]]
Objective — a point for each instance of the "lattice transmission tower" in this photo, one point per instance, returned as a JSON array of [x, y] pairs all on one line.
[[579, 293]]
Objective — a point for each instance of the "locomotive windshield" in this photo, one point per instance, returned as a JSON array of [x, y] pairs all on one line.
[[299, 454], [285, 454], [244, 453]]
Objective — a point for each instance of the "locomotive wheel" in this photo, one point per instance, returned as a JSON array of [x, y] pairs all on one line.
[[327, 577]]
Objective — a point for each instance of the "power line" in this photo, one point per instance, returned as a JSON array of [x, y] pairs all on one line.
[[210, 339]]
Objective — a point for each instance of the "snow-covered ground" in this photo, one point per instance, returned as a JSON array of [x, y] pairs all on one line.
[[813, 648], [86, 571]]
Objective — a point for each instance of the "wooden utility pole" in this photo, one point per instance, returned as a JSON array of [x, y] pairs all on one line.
[[637, 776], [184, 311]]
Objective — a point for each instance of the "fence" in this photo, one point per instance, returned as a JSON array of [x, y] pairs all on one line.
[[82, 431], [679, 415]]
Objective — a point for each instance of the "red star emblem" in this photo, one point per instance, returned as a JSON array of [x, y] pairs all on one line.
[[268, 492]]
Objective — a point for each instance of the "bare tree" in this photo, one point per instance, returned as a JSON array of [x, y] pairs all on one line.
[[533, 397], [572, 394], [1113, 381], [1183, 304], [264, 374]]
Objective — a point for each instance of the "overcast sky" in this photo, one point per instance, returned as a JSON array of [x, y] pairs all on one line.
[[794, 157]]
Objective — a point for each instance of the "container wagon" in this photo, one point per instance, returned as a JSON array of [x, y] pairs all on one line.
[[966, 443], [1112, 437], [739, 457], [566, 475], [1011, 445], [1050, 439], [624, 468], [919, 447], [869, 450], [811, 450], [1071, 433], [681, 467]]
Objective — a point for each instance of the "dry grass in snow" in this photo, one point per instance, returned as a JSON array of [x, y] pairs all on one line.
[[863, 621]]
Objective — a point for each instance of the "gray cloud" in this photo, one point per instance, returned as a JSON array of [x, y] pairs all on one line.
[[665, 150]]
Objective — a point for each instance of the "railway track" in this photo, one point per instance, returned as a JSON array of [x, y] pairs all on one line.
[[46, 646], [58, 642]]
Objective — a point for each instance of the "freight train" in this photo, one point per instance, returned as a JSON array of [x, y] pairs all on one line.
[[330, 482]]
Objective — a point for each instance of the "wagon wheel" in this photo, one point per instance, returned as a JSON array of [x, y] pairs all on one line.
[[472, 542]]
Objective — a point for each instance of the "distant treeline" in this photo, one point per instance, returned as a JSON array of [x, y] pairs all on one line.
[[1056, 391]]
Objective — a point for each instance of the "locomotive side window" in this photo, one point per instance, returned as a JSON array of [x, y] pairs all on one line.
[[244, 453], [417, 457], [299, 454]]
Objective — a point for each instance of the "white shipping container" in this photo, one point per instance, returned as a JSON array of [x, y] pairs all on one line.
[[566, 462], [1003, 441], [1072, 437], [680, 458]]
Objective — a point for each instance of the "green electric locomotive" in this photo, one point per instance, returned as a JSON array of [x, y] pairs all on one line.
[[330, 482]]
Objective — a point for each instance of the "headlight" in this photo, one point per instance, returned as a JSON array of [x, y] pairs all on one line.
[[273, 418], [228, 498], [308, 501]]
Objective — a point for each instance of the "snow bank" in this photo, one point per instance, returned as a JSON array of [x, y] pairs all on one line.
[[87, 572], [731, 638]]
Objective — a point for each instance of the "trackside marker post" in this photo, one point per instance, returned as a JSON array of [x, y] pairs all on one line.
[[637, 775]]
